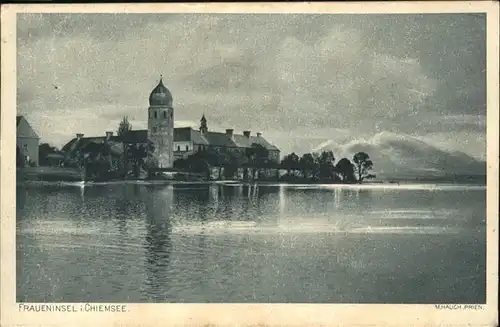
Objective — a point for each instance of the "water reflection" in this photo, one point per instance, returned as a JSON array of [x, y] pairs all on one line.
[[250, 243], [158, 242]]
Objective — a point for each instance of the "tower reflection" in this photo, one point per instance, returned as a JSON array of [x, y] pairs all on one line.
[[158, 241]]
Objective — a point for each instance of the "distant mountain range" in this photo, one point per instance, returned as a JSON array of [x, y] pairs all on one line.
[[401, 156]]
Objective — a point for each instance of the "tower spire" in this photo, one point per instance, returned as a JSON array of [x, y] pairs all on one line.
[[203, 125]]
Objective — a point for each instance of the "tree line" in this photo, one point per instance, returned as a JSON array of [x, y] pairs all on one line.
[[322, 167], [254, 162]]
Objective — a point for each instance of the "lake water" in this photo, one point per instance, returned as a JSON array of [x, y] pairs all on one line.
[[247, 243]]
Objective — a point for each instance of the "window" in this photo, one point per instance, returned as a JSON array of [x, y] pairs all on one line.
[[156, 114], [187, 147], [25, 146], [165, 114], [178, 148]]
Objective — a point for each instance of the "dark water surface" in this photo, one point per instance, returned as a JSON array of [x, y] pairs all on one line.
[[244, 243]]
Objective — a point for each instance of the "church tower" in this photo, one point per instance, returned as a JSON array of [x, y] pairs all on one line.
[[203, 125], [161, 125]]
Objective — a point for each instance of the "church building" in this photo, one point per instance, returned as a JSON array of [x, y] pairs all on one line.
[[173, 143]]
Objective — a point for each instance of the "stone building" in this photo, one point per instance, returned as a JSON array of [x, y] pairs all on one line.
[[174, 143], [161, 125], [27, 141], [188, 141]]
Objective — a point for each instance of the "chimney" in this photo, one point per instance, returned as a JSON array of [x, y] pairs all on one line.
[[259, 134], [79, 136], [108, 135], [246, 133], [229, 132]]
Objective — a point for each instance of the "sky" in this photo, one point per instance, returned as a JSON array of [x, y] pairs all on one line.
[[410, 89]]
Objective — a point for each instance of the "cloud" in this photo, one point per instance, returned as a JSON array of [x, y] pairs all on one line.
[[400, 154]]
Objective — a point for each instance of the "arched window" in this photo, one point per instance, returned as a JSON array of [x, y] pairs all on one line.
[[165, 114], [156, 114], [187, 147], [178, 148]]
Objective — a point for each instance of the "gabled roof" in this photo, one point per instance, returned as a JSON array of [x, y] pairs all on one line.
[[246, 142], [137, 136], [265, 143], [219, 139], [180, 134], [198, 138], [68, 147], [24, 129], [83, 142], [116, 148], [186, 134]]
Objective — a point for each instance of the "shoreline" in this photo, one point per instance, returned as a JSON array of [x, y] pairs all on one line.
[[377, 185], [73, 177]]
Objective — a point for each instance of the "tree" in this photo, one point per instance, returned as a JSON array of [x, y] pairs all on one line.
[[44, 150], [231, 165], [198, 162], [150, 162], [307, 164], [94, 159], [345, 169], [363, 165], [124, 126], [291, 163], [257, 157], [326, 166], [181, 164], [141, 156]]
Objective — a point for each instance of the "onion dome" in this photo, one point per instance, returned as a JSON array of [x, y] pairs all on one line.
[[160, 96]]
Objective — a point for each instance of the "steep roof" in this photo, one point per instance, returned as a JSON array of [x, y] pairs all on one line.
[[187, 134], [246, 142], [116, 148], [180, 134], [198, 138], [68, 147], [219, 139], [137, 136], [24, 129], [76, 143]]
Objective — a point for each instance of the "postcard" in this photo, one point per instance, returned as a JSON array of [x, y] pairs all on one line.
[[250, 164]]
